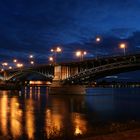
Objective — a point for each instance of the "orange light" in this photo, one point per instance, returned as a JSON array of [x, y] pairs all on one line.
[[5, 64], [58, 49], [122, 45], [10, 67], [19, 65], [51, 59], [78, 53], [15, 60], [32, 62]]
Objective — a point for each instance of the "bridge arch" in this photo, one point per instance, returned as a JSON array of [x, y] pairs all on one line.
[[95, 73], [23, 73]]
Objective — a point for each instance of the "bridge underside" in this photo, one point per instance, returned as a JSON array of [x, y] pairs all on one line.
[[88, 77], [29, 75]]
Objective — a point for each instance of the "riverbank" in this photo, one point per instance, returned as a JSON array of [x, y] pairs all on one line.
[[125, 135], [115, 131]]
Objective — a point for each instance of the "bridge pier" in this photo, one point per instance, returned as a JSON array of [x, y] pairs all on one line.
[[58, 88], [60, 73]]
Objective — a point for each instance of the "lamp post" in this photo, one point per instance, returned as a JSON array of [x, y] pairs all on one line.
[[5, 64], [19, 65], [81, 54], [51, 59], [123, 46], [31, 61], [97, 41], [55, 51]]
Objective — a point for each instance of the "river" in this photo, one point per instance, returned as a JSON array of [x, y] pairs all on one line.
[[33, 114]]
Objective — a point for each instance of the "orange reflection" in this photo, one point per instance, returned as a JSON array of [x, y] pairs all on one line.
[[31, 92], [54, 123], [29, 119], [80, 125], [3, 113], [55, 118], [15, 117]]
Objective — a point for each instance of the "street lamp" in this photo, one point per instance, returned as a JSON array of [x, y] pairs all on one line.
[[31, 59], [123, 46], [81, 54], [32, 62], [15, 60], [10, 67], [51, 59], [98, 39], [55, 51], [19, 65], [5, 64], [31, 56]]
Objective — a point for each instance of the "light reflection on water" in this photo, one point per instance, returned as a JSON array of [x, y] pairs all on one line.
[[3, 113], [33, 114]]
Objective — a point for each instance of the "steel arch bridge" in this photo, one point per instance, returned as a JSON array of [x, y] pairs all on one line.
[[44, 71], [103, 70], [79, 72]]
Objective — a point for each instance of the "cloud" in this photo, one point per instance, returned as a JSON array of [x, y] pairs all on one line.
[[36, 26]]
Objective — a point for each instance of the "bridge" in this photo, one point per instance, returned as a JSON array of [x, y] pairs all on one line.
[[77, 73]]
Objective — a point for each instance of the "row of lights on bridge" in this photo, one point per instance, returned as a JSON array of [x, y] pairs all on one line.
[[17, 63], [55, 51], [81, 53]]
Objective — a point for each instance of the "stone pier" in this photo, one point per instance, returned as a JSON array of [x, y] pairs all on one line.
[[60, 73]]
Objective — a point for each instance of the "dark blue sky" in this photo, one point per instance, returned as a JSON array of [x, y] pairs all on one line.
[[34, 26]]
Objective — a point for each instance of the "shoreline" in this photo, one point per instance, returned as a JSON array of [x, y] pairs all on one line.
[[133, 134]]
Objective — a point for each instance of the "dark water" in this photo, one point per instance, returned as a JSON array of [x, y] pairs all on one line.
[[33, 114]]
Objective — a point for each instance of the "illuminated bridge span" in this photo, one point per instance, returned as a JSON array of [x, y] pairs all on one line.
[[78, 72]]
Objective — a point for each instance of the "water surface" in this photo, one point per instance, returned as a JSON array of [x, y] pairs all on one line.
[[33, 114]]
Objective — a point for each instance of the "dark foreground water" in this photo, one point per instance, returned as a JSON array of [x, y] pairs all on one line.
[[34, 115]]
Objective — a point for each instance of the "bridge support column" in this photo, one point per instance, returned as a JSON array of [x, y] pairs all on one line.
[[60, 73], [5, 75]]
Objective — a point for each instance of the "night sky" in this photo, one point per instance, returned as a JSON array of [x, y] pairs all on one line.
[[35, 26]]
